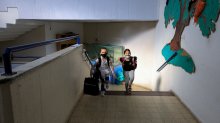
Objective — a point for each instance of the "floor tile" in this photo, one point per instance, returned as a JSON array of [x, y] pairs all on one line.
[[130, 109]]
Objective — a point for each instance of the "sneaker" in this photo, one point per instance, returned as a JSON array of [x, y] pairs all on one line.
[[126, 92], [102, 93], [129, 88]]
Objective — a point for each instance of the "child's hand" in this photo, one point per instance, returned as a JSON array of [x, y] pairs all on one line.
[[119, 59]]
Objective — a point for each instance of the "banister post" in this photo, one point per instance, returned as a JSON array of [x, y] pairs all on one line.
[[7, 62]]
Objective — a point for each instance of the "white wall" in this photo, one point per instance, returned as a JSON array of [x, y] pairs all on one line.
[[199, 91], [35, 35], [1, 108], [46, 90], [53, 28], [84, 9], [6, 114], [137, 36]]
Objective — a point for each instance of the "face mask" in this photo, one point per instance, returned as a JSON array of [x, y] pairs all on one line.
[[127, 56], [104, 55]]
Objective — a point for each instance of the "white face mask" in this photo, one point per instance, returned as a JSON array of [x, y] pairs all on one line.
[[127, 56]]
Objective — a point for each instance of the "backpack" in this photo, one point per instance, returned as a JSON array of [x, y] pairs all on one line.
[[100, 62], [95, 72]]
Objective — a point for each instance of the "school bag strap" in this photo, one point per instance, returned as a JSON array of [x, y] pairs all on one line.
[[100, 60]]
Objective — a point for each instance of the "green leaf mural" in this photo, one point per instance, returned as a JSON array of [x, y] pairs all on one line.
[[205, 14], [209, 17], [169, 14], [185, 6]]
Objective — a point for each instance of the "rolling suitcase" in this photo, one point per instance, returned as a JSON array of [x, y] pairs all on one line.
[[91, 86]]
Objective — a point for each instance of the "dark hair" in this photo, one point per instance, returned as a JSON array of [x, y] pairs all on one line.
[[127, 50], [104, 48]]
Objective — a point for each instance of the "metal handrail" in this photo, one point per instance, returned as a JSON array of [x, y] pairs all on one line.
[[165, 64], [9, 50], [87, 56]]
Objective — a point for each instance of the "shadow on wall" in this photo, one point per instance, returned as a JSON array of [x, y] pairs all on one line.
[[158, 82]]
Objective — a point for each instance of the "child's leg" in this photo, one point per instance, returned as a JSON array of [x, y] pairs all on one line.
[[102, 77], [131, 76], [131, 79], [126, 75], [107, 80]]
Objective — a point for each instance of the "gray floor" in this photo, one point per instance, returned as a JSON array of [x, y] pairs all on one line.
[[130, 109]]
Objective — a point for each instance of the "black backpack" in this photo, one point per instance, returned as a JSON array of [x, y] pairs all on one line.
[[100, 62]]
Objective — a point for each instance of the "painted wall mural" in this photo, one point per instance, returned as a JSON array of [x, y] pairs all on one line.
[[205, 14]]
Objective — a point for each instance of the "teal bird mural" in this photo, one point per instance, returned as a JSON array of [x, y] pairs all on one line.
[[180, 12]]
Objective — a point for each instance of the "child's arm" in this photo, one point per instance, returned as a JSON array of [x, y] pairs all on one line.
[[134, 61], [121, 59], [96, 62]]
